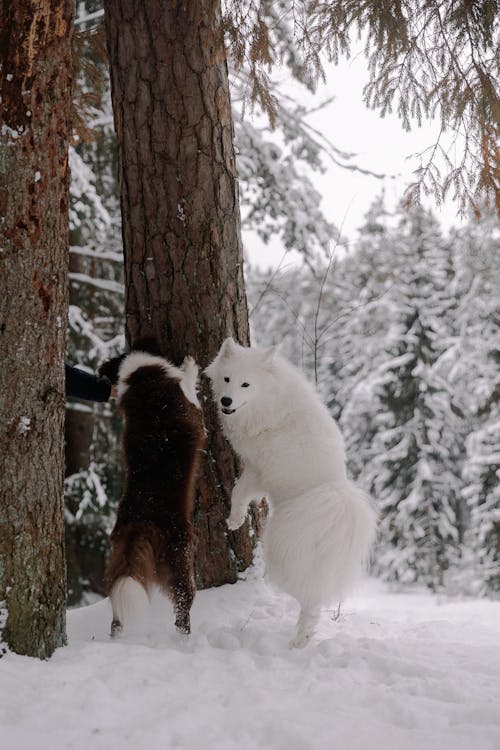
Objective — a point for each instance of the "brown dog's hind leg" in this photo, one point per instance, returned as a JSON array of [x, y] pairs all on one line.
[[116, 626], [177, 581], [183, 593]]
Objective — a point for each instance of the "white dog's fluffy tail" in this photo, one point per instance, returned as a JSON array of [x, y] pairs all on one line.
[[129, 599], [317, 543]]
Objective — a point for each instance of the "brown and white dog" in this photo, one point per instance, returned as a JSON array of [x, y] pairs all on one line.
[[152, 541]]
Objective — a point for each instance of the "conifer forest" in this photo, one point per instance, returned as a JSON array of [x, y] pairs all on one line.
[[399, 330], [163, 139]]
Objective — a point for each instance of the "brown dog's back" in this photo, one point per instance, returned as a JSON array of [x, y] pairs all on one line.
[[152, 541]]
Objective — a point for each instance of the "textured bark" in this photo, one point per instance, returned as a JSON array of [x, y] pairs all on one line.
[[180, 211], [78, 432], [35, 78]]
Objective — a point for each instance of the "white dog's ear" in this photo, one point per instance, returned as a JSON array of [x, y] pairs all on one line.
[[228, 347], [269, 354], [210, 370]]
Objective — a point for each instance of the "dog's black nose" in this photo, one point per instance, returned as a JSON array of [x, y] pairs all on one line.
[[226, 401]]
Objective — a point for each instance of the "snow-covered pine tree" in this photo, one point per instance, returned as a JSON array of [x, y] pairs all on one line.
[[278, 198], [359, 335], [477, 374], [414, 471]]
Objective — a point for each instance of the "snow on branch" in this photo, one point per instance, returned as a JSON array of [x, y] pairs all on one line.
[[97, 254], [107, 284]]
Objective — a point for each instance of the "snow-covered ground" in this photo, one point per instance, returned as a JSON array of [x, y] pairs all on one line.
[[395, 672]]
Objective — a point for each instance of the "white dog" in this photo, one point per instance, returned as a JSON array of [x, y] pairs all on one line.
[[321, 525]]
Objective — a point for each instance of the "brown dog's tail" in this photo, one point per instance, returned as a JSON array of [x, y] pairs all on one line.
[[129, 601], [130, 574]]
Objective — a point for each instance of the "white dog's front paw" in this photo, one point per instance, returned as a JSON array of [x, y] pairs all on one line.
[[189, 366], [235, 521]]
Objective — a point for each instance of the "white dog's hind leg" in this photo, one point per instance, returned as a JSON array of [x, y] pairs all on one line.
[[306, 626], [246, 489]]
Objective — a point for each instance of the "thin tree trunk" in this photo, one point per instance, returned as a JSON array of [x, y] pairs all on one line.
[[35, 77], [180, 211]]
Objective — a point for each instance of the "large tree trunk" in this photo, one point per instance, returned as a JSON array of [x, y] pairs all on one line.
[[180, 211], [35, 75]]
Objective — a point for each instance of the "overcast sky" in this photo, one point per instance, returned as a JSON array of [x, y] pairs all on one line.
[[381, 145]]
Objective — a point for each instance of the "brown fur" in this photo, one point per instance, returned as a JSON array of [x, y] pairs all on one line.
[[152, 541]]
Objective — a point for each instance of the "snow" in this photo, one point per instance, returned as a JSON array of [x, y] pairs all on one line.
[[23, 425], [84, 17], [397, 671], [11, 133]]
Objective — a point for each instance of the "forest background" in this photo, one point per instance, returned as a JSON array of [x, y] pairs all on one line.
[[397, 326]]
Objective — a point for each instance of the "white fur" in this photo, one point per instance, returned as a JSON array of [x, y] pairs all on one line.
[[128, 598], [189, 381], [187, 374], [321, 525]]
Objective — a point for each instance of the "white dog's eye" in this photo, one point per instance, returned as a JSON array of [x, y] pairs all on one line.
[[226, 380], [245, 385]]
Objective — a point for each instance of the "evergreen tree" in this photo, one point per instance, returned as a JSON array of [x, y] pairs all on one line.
[[477, 374], [35, 88], [414, 471]]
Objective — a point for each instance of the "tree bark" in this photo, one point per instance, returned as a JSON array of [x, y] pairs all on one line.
[[181, 222], [35, 78]]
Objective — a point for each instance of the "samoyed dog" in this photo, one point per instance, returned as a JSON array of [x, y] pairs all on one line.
[[321, 526]]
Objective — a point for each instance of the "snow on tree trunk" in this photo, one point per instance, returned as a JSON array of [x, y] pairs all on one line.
[[36, 78], [181, 223]]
